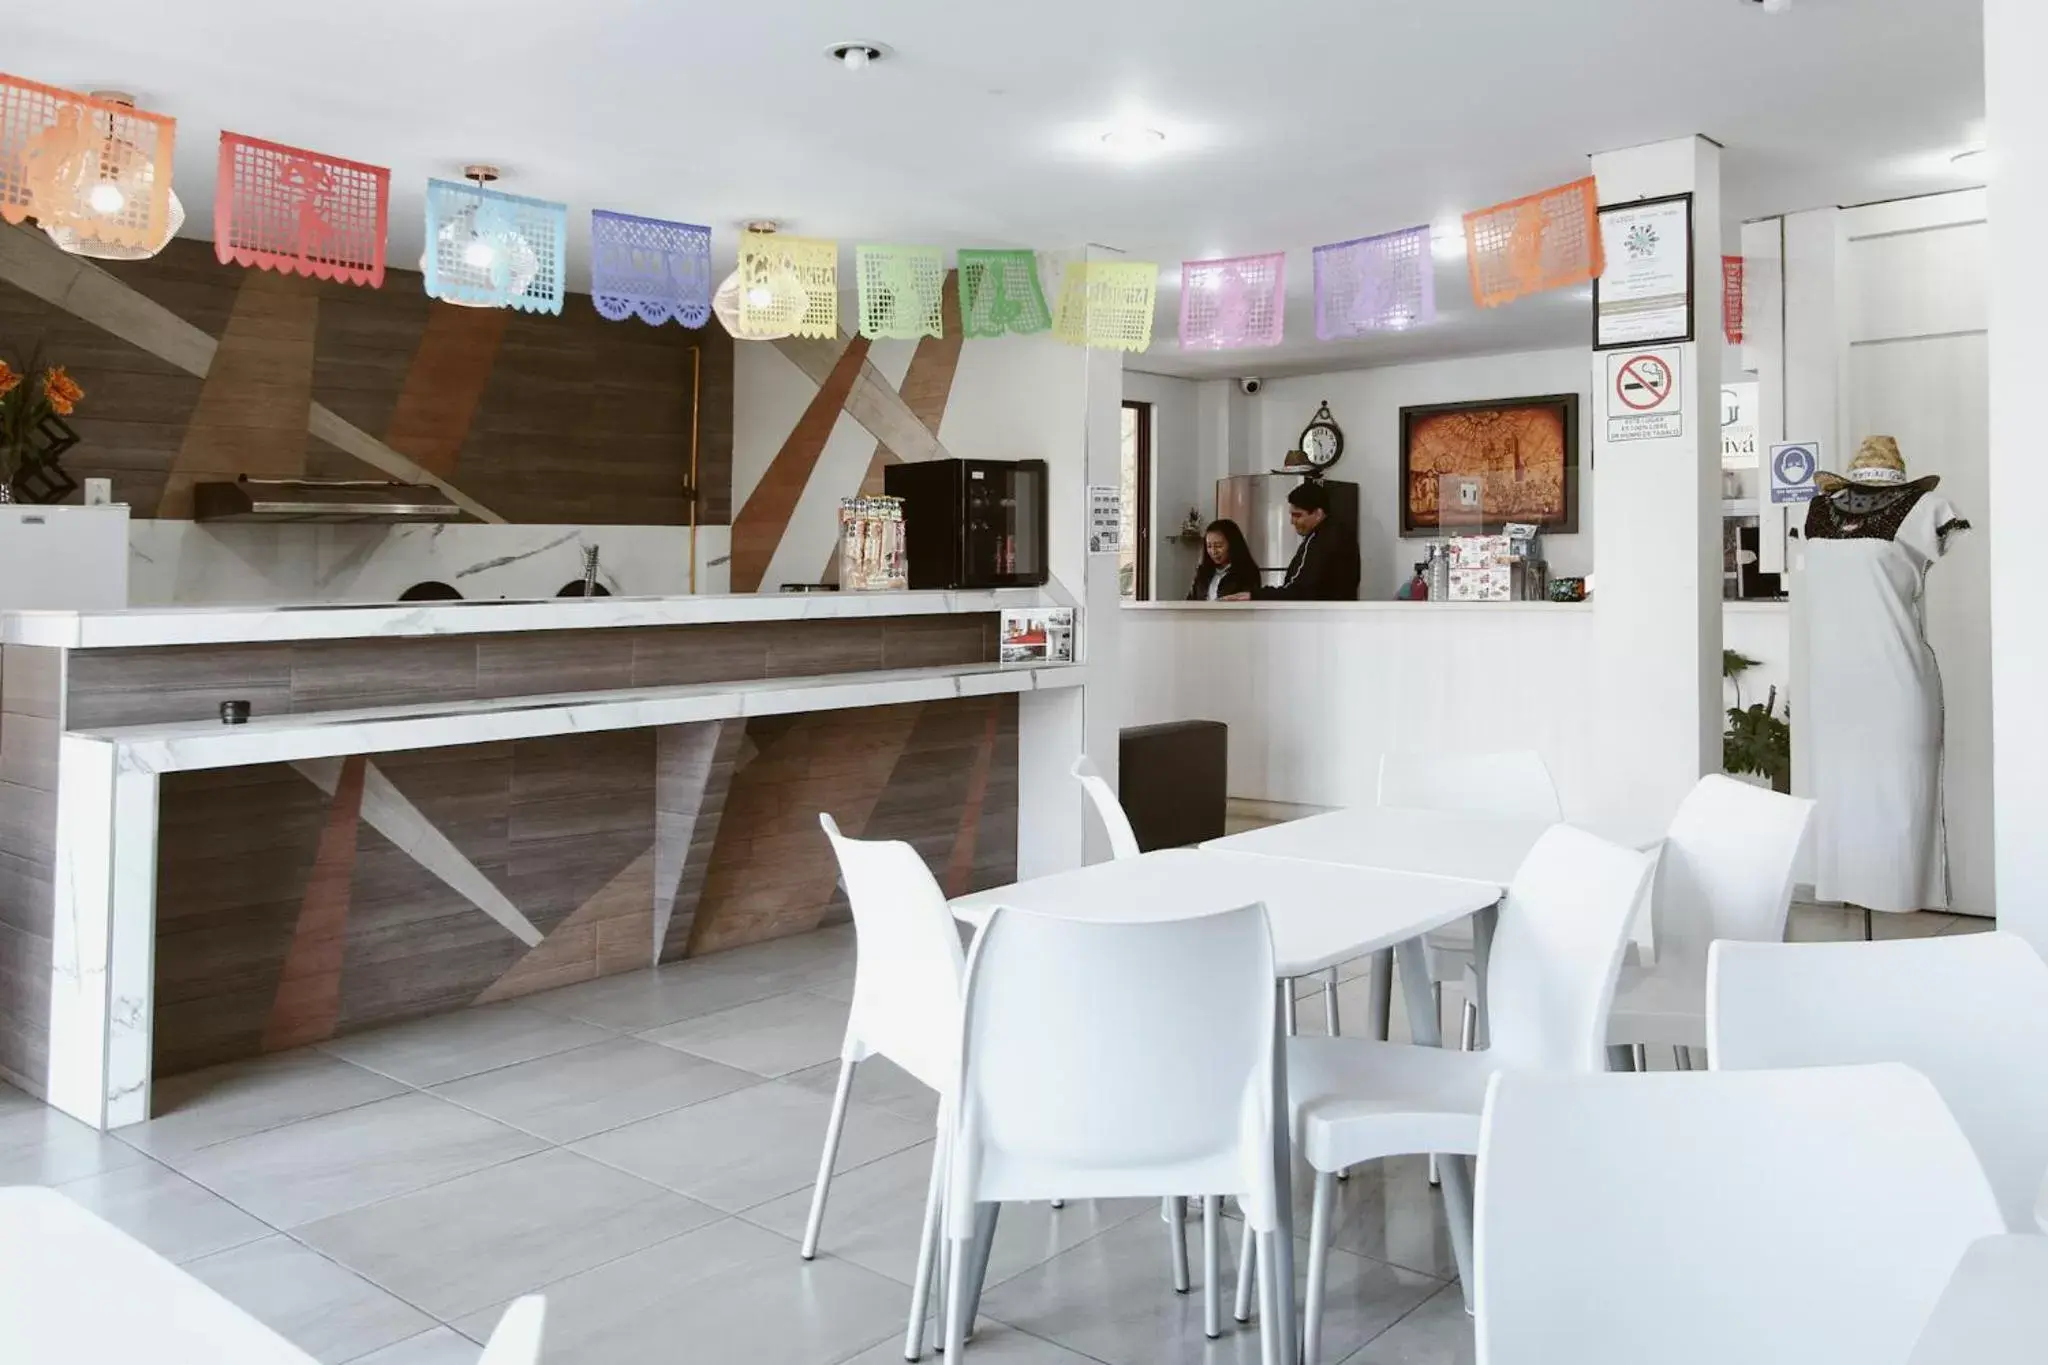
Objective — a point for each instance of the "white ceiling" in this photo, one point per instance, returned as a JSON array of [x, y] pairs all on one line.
[[1289, 123]]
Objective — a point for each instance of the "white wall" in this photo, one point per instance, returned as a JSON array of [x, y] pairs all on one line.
[[1367, 405]]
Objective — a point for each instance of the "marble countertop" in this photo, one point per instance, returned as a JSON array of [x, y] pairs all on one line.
[[185, 745], [343, 621]]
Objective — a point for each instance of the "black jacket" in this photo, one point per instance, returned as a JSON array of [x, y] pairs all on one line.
[[1324, 567], [1236, 578]]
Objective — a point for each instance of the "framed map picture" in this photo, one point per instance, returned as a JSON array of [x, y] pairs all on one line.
[[1514, 459]]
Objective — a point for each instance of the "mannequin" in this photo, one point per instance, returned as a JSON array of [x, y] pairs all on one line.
[[1874, 713]]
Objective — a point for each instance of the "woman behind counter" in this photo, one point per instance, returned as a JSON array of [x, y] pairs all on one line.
[[1227, 565]]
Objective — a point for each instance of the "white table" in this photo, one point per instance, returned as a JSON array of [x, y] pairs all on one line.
[[1322, 913], [75, 1289], [1995, 1309]]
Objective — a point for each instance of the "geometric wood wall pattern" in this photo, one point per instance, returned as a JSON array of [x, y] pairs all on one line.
[[201, 370]]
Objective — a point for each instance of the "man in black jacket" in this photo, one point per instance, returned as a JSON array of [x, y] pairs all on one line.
[[1325, 564]]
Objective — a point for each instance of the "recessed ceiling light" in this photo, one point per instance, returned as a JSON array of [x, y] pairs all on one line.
[[1133, 139], [858, 54]]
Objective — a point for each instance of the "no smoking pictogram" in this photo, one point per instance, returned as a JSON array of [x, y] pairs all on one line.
[[1643, 383], [1643, 402]]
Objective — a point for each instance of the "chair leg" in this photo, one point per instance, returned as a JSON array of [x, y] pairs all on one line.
[[977, 1270], [1468, 1027], [927, 1255], [959, 1252], [1059, 1203], [1869, 926], [1175, 1212], [1642, 1055], [1212, 1266], [1318, 1268], [1458, 1213], [1681, 1059], [1379, 1003], [1247, 1266], [1271, 1303], [1293, 1015], [1330, 1025], [1436, 1000], [833, 1126]]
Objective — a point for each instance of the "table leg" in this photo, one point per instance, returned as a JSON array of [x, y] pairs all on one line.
[[1483, 925], [1456, 1171], [1379, 997], [1283, 1185]]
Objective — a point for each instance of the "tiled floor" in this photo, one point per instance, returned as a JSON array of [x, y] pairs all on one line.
[[641, 1148]]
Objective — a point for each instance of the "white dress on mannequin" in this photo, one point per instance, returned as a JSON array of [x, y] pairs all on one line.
[[1873, 711]]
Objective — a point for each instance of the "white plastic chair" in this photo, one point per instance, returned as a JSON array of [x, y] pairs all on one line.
[[1725, 873], [1969, 1012], [1111, 1060], [516, 1338], [907, 975], [1514, 784], [1555, 956], [1123, 840], [1709, 1218]]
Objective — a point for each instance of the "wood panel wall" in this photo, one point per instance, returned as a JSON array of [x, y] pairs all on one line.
[[569, 419]]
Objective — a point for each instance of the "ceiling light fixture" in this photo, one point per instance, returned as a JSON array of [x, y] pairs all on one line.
[[1774, 6], [480, 248], [1133, 139], [857, 56], [122, 177]]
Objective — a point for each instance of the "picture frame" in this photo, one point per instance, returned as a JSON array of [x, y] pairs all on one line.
[[1645, 295], [1524, 450]]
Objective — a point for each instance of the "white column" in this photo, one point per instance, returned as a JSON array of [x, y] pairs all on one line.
[[2016, 108], [1657, 530]]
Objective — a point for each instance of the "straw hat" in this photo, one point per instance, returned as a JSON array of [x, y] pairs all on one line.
[[1878, 466]]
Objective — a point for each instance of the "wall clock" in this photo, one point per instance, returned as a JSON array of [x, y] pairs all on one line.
[[1322, 440]]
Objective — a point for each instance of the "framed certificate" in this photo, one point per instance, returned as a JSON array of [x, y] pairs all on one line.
[[1644, 296]]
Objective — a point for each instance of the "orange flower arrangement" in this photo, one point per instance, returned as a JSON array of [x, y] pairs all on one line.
[[30, 396]]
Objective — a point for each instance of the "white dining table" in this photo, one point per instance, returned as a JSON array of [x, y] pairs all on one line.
[[1995, 1309], [77, 1290], [1321, 913]]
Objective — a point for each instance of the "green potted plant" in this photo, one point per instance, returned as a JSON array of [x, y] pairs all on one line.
[[1757, 739]]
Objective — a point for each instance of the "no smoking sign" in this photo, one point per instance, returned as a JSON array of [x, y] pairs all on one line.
[[1643, 396]]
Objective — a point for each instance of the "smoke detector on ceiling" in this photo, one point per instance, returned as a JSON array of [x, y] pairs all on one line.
[[1773, 6], [856, 55]]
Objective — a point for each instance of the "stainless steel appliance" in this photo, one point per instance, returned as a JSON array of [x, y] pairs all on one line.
[[322, 500], [1258, 504], [972, 523]]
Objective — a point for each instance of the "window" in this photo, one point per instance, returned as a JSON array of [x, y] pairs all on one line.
[[1134, 560]]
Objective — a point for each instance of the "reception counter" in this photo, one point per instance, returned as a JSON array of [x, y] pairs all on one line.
[[434, 806], [1315, 692]]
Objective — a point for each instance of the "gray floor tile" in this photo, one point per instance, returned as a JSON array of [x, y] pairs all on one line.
[[878, 1082], [39, 1146], [14, 1101], [328, 1165], [1109, 1298], [1971, 924], [995, 1343], [633, 1001], [164, 1211], [726, 1292], [572, 1095], [748, 1147], [773, 1037], [326, 1311], [502, 1232], [1387, 1211], [200, 1108], [437, 1346], [1438, 1333], [445, 1047], [875, 1213], [1833, 924]]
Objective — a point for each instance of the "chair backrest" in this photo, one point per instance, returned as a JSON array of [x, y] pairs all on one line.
[[1117, 1058], [1557, 951], [1702, 1218], [1513, 784], [908, 964], [516, 1338], [1726, 871], [1969, 1012], [1123, 840]]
